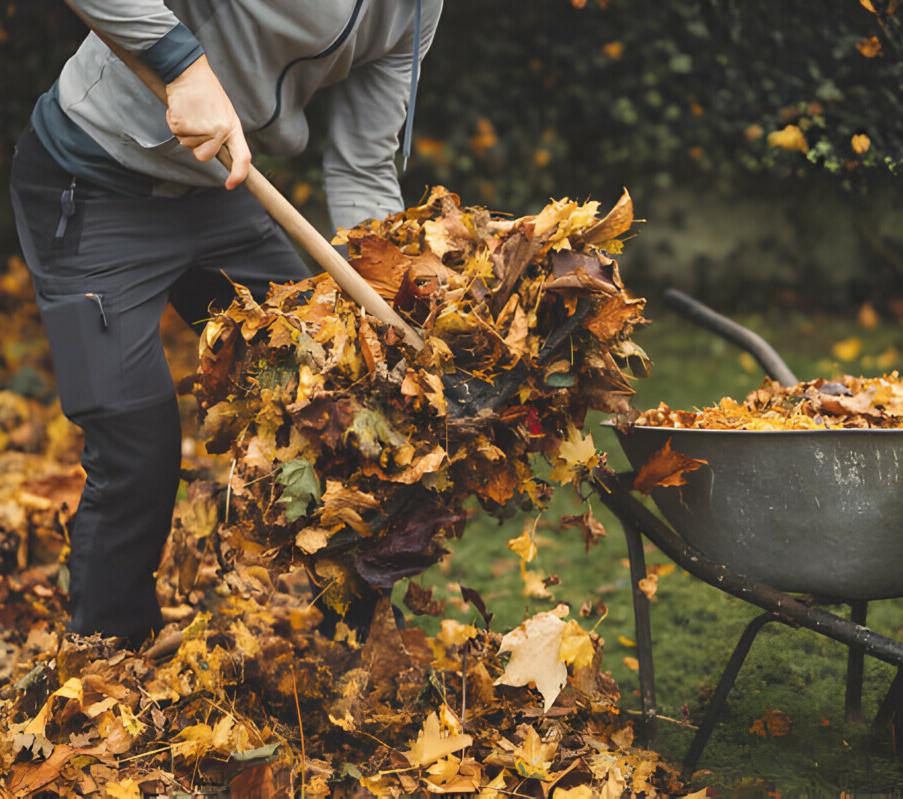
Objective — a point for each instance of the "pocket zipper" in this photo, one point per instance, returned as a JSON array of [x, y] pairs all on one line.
[[97, 299], [67, 211]]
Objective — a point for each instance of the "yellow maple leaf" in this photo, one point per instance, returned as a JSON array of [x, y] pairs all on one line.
[[193, 742], [576, 454], [524, 545], [579, 451], [576, 646], [453, 633], [124, 789], [533, 759], [431, 745]]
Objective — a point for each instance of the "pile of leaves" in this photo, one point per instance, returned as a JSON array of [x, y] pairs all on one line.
[[353, 453], [847, 402], [349, 457]]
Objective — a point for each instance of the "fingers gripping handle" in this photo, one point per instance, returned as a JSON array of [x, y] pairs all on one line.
[[291, 220], [698, 313]]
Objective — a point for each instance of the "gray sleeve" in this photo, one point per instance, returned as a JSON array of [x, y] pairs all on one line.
[[147, 28], [366, 113]]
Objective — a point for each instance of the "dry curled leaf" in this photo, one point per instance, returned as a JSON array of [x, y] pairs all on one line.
[[666, 467]]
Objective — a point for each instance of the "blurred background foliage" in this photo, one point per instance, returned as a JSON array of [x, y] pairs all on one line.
[[762, 140]]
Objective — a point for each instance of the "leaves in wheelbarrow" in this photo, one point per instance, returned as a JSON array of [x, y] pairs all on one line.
[[667, 467], [845, 402]]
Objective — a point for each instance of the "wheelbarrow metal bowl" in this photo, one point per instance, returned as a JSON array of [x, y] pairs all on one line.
[[811, 511]]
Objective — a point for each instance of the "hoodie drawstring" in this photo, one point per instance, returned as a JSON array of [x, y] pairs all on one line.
[[412, 96]]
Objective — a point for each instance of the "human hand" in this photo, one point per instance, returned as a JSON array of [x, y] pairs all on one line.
[[202, 118]]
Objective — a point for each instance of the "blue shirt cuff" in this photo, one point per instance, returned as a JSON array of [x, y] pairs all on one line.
[[170, 56]]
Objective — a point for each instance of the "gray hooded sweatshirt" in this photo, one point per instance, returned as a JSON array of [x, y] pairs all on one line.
[[271, 57]]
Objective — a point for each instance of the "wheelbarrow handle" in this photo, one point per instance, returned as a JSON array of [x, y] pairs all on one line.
[[288, 217], [698, 313]]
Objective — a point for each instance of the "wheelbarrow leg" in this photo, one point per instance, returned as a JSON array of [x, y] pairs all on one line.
[[716, 704], [891, 710], [643, 634], [855, 665]]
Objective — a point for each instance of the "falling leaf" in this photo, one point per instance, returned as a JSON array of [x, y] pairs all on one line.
[[420, 600], [773, 723], [632, 663], [524, 545], [789, 138], [648, 585], [453, 633], [665, 468], [868, 47], [847, 349], [868, 316], [592, 529]]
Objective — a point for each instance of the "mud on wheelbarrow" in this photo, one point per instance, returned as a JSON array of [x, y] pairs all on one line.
[[773, 515]]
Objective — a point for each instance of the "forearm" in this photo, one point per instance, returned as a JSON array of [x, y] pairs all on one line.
[[146, 28]]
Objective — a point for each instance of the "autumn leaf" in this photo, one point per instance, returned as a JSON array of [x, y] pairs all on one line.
[[617, 221], [869, 47], [789, 138], [533, 758], [773, 723], [665, 468], [301, 488], [576, 456], [535, 647], [847, 349], [453, 633], [126, 789], [648, 585], [576, 646], [580, 792], [431, 745]]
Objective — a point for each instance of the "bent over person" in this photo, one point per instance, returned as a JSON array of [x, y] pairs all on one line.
[[121, 206]]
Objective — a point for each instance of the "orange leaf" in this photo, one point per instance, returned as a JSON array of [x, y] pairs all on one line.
[[665, 468]]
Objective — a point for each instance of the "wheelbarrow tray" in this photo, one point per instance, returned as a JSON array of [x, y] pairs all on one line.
[[806, 511]]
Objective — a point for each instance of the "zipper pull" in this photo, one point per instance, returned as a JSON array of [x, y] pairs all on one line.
[[67, 210], [97, 299]]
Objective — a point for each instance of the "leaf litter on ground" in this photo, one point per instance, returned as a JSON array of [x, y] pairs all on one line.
[[333, 461]]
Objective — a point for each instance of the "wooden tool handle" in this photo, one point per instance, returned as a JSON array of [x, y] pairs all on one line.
[[288, 217]]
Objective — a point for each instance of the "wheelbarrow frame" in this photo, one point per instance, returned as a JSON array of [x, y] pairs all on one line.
[[638, 522], [614, 490]]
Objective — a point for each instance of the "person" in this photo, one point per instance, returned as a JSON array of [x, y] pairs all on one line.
[[121, 206]]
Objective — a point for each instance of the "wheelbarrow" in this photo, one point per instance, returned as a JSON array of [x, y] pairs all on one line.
[[772, 516]]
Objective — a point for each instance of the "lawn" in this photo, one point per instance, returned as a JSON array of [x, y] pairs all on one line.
[[695, 626]]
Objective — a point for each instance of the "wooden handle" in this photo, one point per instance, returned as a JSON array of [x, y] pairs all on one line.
[[288, 217]]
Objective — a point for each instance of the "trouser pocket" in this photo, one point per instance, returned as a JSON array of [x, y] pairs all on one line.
[[85, 344]]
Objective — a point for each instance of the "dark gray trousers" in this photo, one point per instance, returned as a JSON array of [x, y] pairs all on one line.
[[104, 266]]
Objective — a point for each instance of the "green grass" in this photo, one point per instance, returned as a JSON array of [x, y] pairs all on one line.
[[695, 626]]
